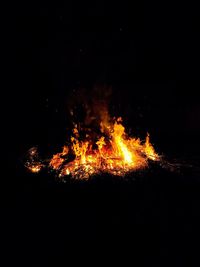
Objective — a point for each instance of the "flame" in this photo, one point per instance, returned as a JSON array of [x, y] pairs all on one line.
[[120, 144], [149, 150], [113, 152], [58, 159]]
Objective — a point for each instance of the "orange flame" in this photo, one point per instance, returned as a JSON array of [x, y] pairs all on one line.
[[113, 152]]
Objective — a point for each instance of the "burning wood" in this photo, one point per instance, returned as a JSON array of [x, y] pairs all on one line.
[[112, 152]]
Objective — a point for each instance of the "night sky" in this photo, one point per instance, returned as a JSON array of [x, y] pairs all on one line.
[[148, 54]]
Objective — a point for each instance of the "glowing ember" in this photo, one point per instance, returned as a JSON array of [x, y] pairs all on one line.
[[112, 152], [35, 168], [33, 164]]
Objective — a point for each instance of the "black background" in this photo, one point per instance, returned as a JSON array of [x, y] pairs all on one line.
[[148, 53]]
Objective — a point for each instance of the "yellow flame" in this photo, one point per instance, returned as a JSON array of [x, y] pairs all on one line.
[[120, 143], [149, 150]]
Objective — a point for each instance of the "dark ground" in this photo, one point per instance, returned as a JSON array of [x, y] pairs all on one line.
[[148, 52]]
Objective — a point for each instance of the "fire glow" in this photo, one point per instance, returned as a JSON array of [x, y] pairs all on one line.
[[112, 152]]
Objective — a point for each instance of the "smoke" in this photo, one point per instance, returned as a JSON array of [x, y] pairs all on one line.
[[91, 106]]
